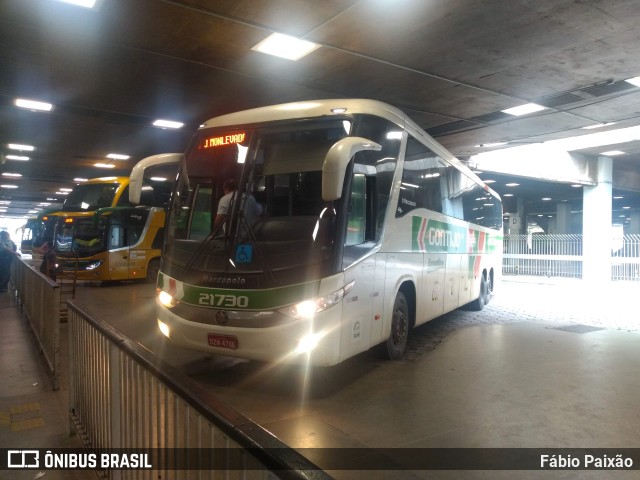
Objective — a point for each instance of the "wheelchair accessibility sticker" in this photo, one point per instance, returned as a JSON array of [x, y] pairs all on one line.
[[244, 253]]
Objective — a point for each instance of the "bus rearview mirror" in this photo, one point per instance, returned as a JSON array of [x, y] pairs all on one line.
[[336, 161], [137, 173]]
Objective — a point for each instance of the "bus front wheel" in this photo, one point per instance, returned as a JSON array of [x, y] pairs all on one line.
[[152, 270], [400, 325]]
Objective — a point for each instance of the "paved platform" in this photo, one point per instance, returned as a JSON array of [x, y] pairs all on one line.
[[548, 363]]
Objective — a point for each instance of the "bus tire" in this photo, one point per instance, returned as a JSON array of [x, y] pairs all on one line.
[[400, 325], [479, 303], [152, 270]]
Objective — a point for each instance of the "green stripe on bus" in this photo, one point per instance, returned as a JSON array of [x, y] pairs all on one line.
[[236, 299]]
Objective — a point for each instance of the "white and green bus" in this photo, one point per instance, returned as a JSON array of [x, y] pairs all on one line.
[[366, 227]]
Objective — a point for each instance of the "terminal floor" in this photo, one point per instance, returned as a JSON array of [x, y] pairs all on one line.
[[547, 364]]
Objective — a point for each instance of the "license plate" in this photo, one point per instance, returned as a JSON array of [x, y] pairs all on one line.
[[223, 341]]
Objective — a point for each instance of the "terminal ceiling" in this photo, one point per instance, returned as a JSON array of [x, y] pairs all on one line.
[[452, 65]]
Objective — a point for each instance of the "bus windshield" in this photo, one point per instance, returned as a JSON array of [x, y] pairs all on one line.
[[277, 228], [85, 236], [90, 197]]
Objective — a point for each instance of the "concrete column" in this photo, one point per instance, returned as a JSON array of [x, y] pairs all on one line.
[[563, 217], [596, 221], [634, 225]]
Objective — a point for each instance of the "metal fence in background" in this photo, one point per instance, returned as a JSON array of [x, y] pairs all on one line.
[[560, 255], [122, 396], [39, 300]]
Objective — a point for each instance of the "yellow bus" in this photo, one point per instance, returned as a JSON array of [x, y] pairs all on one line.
[[114, 243], [110, 238]]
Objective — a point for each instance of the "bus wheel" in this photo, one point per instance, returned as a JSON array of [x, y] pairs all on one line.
[[400, 324], [479, 303], [152, 270]]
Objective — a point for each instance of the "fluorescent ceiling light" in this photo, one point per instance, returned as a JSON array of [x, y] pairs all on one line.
[[11, 175], [104, 165], [62, 193], [17, 157], [634, 81], [167, 124], [158, 179], [33, 105], [524, 109], [118, 156], [81, 3], [8, 186], [512, 184], [546, 199], [285, 46], [80, 179], [493, 144], [489, 181], [66, 189], [508, 195], [612, 153], [22, 148], [598, 125]]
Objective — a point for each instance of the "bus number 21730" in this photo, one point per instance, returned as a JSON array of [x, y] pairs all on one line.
[[221, 300]]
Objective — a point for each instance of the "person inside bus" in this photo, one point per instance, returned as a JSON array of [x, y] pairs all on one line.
[[252, 209], [8, 251]]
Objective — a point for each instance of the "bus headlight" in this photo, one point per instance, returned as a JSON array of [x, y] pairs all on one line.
[[308, 343], [167, 299], [308, 308]]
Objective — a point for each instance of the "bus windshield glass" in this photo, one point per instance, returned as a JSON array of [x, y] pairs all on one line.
[[90, 197], [85, 236], [273, 225]]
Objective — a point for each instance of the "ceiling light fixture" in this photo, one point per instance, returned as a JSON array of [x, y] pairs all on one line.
[[524, 109], [512, 184], [80, 179], [11, 175], [493, 144], [598, 125], [8, 186], [118, 156], [167, 124], [33, 105], [285, 46], [634, 81], [82, 3], [22, 148], [17, 157], [612, 153], [104, 165]]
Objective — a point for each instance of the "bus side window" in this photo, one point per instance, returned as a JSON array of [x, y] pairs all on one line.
[[356, 220], [116, 236], [421, 180]]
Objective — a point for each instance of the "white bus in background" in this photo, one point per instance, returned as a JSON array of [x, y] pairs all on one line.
[[369, 228]]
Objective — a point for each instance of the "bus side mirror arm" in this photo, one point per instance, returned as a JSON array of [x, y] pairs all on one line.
[[137, 173], [336, 161]]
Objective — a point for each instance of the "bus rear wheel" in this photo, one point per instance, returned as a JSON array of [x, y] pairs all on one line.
[[400, 325], [479, 303]]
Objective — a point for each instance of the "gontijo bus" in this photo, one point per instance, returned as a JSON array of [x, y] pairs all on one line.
[[368, 227]]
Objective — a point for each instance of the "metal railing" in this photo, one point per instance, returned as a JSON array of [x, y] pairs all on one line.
[[625, 260], [556, 255], [39, 299], [123, 396]]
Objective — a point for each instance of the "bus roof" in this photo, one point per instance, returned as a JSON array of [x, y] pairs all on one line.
[[335, 107], [307, 109], [120, 180]]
